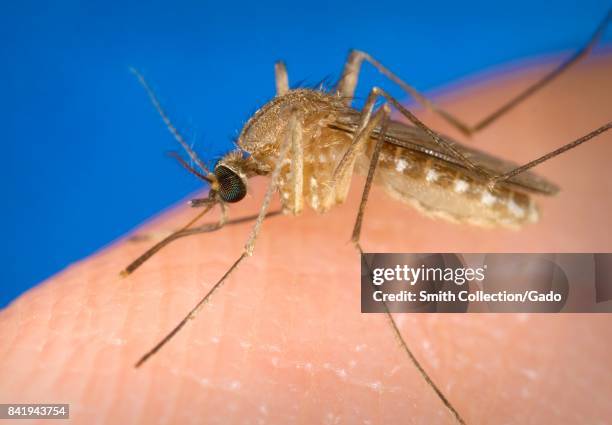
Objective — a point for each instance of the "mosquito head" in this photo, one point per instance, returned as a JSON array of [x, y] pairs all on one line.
[[231, 186], [230, 175], [228, 182]]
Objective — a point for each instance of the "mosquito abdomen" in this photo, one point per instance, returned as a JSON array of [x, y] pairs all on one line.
[[443, 191]]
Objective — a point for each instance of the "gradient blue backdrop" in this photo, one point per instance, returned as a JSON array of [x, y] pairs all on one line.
[[83, 150]]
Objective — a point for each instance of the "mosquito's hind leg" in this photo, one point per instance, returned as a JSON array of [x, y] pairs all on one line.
[[493, 179], [507, 176], [348, 82]]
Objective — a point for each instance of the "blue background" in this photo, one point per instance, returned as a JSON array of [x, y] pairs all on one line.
[[83, 151]]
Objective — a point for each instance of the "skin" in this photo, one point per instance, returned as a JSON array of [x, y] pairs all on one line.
[[284, 340]]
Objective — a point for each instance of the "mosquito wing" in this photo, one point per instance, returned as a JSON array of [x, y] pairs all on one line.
[[415, 139]]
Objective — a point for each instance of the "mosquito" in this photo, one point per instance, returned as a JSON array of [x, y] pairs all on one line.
[[310, 143]]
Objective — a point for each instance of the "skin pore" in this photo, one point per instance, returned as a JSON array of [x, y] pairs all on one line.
[[284, 340]]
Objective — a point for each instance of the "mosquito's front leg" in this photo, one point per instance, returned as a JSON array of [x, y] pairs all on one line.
[[293, 133], [186, 230], [204, 228], [292, 127]]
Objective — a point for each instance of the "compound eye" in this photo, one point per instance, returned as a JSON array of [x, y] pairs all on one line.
[[231, 186]]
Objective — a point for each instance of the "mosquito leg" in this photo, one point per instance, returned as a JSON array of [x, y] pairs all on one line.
[[348, 82], [493, 179], [550, 155], [369, 180], [184, 231], [382, 115], [297, 169], [208, 227], [543, 81], [437, 138], [344, 170], [281, 78], [292, 127], [344, 166], [294, 130]]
